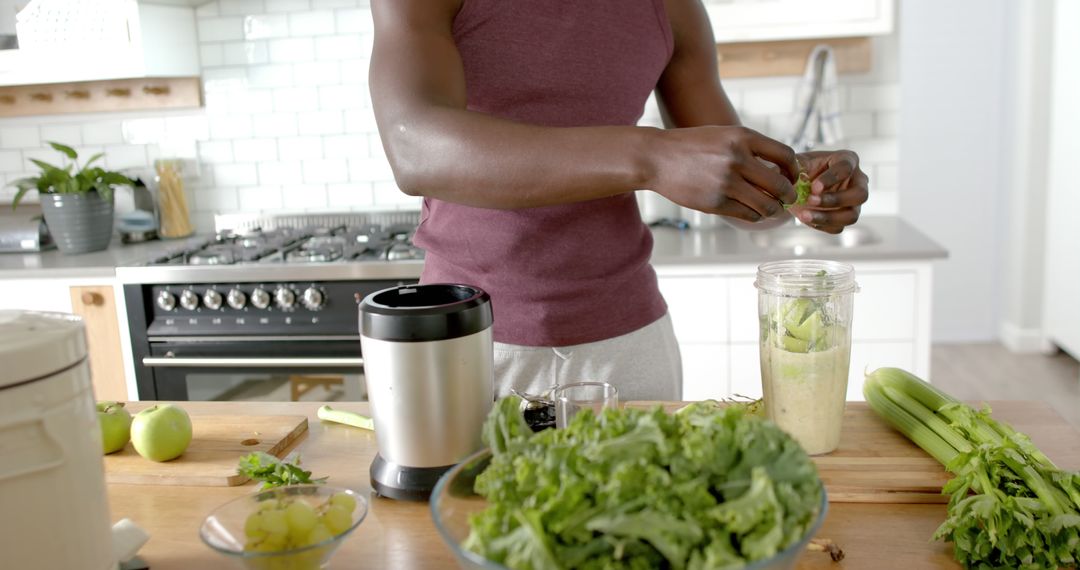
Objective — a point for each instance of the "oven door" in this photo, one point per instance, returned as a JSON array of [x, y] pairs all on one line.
[[289, 369]]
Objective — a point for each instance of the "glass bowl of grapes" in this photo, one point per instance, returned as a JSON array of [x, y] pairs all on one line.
[[295, 527]]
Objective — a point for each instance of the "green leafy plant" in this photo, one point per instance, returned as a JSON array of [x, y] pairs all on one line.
[[274, 472], [70, 178]]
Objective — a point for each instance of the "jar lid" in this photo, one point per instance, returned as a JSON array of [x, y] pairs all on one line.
[[806, 278], [36, 345], [418, 313]]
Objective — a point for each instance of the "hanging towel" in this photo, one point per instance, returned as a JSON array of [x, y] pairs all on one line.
[[816, 121]]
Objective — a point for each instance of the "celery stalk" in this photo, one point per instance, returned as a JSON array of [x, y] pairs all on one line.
[[326, 413]]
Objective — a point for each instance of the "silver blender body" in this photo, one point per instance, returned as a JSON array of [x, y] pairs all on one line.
[[429, 367]]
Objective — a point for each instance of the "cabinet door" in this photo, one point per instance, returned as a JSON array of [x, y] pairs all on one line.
[[884, 307], [746, 370], [705, 371], [698, 308], [97, 306], [34, 295], [743, 307], [869, 356]]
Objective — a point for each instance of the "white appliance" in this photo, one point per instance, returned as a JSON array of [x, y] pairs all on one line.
[[52, 479]]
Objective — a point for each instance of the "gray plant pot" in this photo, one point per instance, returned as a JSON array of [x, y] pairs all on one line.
[[79, 223]]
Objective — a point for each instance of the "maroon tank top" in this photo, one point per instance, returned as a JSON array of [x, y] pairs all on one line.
[[573, 273]]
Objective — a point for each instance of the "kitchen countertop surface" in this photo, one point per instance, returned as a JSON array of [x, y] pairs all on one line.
[[402, 536], [881, 238]]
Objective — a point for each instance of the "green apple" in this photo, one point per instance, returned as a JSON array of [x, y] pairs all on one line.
[[161, 432], [115, 422]]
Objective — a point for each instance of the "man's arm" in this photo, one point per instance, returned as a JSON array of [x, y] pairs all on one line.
[[690, 95], [438, 148]]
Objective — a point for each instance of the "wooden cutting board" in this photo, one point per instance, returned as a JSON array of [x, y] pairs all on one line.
[[874, 464], [217, 443]]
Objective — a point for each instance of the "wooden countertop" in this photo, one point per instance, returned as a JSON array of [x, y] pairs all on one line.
[[401, 536]]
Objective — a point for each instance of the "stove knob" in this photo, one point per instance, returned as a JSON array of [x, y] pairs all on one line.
[[237, 299], [189, 300], [212, 299], [166, 300], [260, 298], [313, 299], [285, 298]]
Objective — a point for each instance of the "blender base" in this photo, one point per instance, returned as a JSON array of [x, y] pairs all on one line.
[[404, 483]]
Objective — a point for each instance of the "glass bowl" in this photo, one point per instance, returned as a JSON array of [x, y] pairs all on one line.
[[223, 529], [453, 500]]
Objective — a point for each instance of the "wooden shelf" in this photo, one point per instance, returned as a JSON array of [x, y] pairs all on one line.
[[762, 59], [101, 96]]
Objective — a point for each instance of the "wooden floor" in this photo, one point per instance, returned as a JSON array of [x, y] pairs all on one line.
[[977, 372]]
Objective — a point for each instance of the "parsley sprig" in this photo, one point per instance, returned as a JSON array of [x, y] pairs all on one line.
[[273, 472]]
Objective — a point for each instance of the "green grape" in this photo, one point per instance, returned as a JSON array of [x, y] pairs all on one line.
[[301, 518], [344, 500], [337, 519], [275, 523], [318, 534], [253, 526]]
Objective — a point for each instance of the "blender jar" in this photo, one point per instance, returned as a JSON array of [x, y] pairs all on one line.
[[804, 308]]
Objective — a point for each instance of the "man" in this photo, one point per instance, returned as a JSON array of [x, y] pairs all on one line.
[[514, 119]]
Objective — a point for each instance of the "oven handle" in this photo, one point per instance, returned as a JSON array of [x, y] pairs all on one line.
[[183, 362]]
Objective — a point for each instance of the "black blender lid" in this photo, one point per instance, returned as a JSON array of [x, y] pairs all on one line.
[[418, 313]]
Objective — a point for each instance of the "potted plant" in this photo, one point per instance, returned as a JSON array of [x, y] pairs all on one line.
[[77, 202]]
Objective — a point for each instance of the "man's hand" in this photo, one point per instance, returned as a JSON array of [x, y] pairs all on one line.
[[720, 170], [838, 190]]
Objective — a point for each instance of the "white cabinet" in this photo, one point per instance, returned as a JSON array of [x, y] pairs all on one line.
[[714, 312], [769, 20], [35, 295], [158, 41]]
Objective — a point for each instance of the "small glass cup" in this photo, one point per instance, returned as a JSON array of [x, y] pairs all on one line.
[[572, 398], [805, 313]]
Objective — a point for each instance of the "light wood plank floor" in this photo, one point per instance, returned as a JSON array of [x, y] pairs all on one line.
[[977, 372]]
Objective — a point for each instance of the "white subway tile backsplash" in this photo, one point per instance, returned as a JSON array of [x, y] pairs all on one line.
[[768, 101], [325, 171], [287, 5], [11, 161], [354, 21], [311, 23], [343, 97], [353, 195], [274, 125], [216, 152], [150, 130], [360, 121], [345, 146], [881, 202], [321, 123], [256, 198], [211, 55], [192, 128], [874, 97], [216, 199], [317, 73], [304, 197], [224, 79], [20, 137], [270, 76], [255, 150], [245, 53], [220, 29], [265, 26], [294, 99], [256, 100], [337, 3], [102, 132], [231, 127], [355, 71], [208, 10], [70, 135], [119, 157], [857, 124], [348, 46], [236, 174], [290, 50], [887, 123], [876, 150], [369, 170], [282, 172], [241, 7], [884, 176], [387, 193], [375, 147], [301, 148]]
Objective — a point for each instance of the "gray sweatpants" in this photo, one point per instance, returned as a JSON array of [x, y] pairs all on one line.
[[643, 365]]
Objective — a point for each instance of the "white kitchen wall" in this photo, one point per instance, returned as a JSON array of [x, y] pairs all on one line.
[[288, 122]]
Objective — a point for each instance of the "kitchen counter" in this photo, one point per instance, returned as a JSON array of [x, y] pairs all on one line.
[[880, 238], [402, 536], [52, 264]]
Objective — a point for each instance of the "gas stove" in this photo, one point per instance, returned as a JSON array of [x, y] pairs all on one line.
[[263, 296]]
